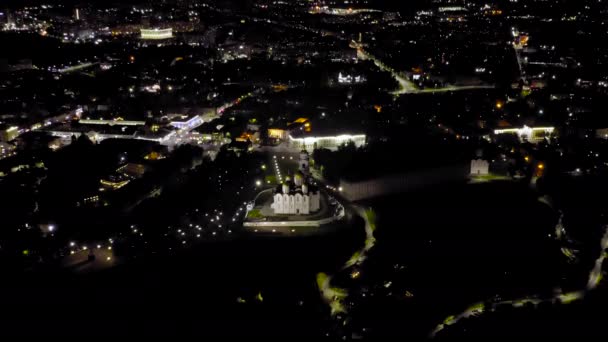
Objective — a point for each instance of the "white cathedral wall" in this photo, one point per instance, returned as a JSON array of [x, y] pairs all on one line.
[[292, 205], [286, 204], [306, 205], [480, 167], [277, 204], [296, 204]]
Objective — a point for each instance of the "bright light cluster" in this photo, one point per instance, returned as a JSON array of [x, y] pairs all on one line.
[[156, 34], [531, 134], [328, 142]]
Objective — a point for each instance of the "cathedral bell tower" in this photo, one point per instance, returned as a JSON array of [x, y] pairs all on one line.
[[304, 164]]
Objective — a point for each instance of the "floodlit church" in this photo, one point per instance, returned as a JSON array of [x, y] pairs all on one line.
[[480, 167], [297, 197]]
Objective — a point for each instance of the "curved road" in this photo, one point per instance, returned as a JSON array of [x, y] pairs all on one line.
[[595, 278], [334, 296]]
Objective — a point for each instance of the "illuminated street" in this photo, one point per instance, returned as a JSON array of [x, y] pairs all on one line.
[[405, 85]]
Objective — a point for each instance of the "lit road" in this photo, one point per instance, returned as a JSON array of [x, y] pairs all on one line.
[[335, 296], [522, 72], [562, 236], [183, 136], [405, 85], [595, 278], [454, 88], [77, 68]]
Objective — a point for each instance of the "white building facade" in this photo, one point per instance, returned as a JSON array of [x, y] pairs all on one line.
[[480, 167], [296, 198]]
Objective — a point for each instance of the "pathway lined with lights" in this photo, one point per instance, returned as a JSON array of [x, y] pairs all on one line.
[[277, 170], [335, 296], [594, 279]]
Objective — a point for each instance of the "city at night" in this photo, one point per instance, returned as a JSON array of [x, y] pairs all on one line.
[[327, 170]]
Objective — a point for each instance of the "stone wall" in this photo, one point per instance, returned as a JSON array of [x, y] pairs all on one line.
[[391, 184]]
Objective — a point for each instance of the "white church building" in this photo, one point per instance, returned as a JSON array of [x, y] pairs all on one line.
[[297, 197], [480, 167]]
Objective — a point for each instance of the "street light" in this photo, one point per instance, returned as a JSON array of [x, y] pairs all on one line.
[[258, 183]]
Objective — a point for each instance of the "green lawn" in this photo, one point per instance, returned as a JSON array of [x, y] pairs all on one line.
[[255, 214]]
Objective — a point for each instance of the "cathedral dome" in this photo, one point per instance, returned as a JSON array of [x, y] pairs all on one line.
[[298, 178]]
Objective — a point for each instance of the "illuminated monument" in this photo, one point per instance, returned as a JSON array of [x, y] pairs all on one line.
[[295, 203], [297, 197]]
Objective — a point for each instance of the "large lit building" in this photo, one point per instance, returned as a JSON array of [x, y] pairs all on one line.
[[278, 133], [297, 197], [9, 133], [309, 143], [186, 121], [350, 79], [528, 134], [156, 34]]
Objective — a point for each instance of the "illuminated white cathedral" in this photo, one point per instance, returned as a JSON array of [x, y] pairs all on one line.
[[297, 197]]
